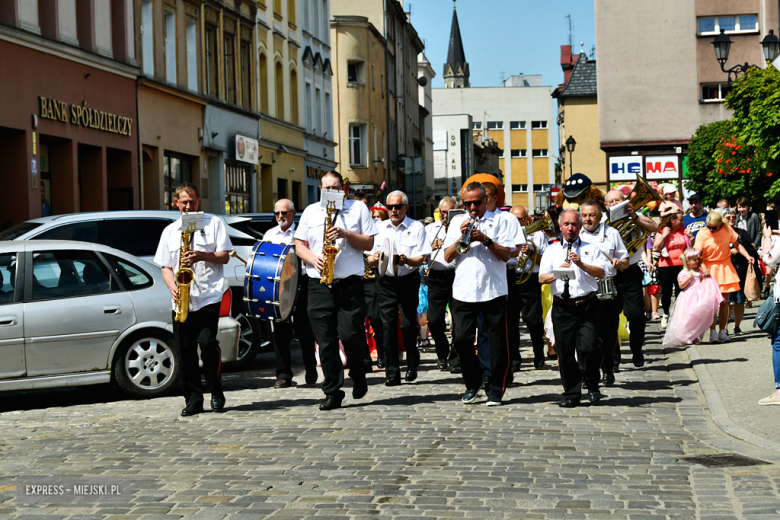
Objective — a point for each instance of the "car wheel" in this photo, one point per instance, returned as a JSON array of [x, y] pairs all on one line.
[[250, 342], [147, 364]]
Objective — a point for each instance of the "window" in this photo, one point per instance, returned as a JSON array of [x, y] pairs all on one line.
[[316, 20], [539, 153], [373, 77], [137, 236], [176, 169], [325, 21], [7, 277], [131, 276], [296, 194], [519, 153], [263, 64], [278, 9], [230, 69], [517, 125], [376, 149], [62, 274], [538, 125], [291, 18], [476, 125], [170, 46], [281, 189], [715, 93], [500, 154], [192, 54], [318, 110], [238, 184], [294, 97], [147, 38], [82, 231], [279, 90], [495, 125], [730, 24], [246, 75], [519, 188], [212, 86], [357, 154], [328, 109], [308, 108], [353, 72]]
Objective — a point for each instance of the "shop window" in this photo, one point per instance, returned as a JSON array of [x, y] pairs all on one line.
[[147, 38], [192, 54], [176, 170], [238, 188], [246, 76], [230, 69], [212, 78]]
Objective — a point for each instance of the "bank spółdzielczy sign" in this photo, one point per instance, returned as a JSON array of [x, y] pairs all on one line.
[[83, 116]]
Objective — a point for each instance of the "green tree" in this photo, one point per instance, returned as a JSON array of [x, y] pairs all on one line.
[[702, 166]]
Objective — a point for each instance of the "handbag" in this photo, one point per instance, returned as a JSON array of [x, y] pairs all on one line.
[[752, 289], [768, 316]]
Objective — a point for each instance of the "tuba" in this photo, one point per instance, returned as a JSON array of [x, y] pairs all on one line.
[[634, 236], [329, 249], [544, 224], [184, 277]]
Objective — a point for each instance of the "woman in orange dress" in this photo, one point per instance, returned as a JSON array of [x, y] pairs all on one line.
[[713, 242]]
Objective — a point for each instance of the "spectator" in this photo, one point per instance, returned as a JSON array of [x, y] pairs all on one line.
[[670, 203], [748, 220], [697, 218], [723, 204], [772, 259], [670, 241], [737, 299]]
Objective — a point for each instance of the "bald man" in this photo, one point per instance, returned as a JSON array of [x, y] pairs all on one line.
[[529, 294]]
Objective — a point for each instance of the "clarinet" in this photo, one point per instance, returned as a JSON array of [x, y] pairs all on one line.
[[565, 293]]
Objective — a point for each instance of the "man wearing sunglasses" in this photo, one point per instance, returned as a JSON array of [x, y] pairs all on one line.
[[480, 286], [400, 287], [284, 212]]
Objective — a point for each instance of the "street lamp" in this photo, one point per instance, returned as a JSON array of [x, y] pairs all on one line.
[[770, 45], [570, 144], [722, 44]]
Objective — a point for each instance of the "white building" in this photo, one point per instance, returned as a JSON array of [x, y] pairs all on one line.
[[453, 154]]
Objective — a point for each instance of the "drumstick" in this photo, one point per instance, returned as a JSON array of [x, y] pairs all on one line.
[[605, 255]]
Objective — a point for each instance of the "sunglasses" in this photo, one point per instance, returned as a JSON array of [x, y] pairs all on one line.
[[396, 207], [711, 228], [277, 213], [468, 203]]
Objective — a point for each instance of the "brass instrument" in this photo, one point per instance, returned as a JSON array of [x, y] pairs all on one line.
[[628, 228], [184, 277], [463, 246], [329, 249], [368, 271], [544, 224]]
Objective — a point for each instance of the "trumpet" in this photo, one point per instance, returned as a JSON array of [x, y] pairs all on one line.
[[463, 247], [544, 224]]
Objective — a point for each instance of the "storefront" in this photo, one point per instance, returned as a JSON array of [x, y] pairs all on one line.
[[68, 135]]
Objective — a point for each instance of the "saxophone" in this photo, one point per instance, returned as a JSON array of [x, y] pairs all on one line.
[[329, 249], [184, 278]]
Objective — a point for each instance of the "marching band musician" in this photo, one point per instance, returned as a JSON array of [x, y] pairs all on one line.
[[337, 311], [628, 284], [400, 287], [440, 279], [284, 212], [480, 286], [575, 314], [529, 294], [607, 239]]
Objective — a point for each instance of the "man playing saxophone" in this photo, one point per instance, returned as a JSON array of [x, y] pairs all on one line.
[[209, 249], [337, 305]]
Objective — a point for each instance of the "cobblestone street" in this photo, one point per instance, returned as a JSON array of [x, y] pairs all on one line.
[[402, 452]]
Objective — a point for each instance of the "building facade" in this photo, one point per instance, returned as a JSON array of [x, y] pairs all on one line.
[[68, 145], [650, 108], [425, 75]]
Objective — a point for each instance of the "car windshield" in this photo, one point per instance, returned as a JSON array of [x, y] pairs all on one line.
[[18, 230]]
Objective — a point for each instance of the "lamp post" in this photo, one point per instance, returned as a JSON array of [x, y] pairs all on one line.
[[570, 144], [722, 44]]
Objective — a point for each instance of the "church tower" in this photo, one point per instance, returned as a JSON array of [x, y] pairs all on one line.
[[456, 70]]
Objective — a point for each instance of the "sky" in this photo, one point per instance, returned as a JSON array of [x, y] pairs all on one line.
[[509, 36]]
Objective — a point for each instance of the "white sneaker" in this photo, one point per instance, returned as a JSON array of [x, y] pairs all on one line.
[[770, 400], [723, 336], [713, 336], [664, 321]]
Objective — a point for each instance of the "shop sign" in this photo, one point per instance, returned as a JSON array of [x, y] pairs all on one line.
[[662, 166], [315, 173], [624, 168], [82, 116], [246, 149]]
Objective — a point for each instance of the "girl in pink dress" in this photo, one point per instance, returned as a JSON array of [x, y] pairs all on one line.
[[695, 307]]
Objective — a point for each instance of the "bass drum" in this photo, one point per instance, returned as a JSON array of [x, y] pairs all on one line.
[[271, 281]]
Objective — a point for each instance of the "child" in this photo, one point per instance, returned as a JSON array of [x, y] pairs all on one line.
[[693, 311]]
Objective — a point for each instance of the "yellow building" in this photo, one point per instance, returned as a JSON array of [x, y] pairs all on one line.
[[281, 171], [578, 117]]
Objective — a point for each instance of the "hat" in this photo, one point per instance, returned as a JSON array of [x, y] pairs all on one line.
[[576, 186], [694, 196], [668, 188]]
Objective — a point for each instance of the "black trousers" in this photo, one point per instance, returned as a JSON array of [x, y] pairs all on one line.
[[631, 301], [608, 333], [200, 329], [513, 308], [529, 296], [371, 293], [400, 293], [439, 296], [336, 313], [494, 317], [667, 278], [283, 333], [576, 330]]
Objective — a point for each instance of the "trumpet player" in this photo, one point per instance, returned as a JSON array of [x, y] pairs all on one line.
[[480, 244], [209, 251], [440, 279], [337, 309], [399, 289]]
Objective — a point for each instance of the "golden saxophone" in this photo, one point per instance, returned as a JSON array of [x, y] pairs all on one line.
[[329, 249], [184, 278]]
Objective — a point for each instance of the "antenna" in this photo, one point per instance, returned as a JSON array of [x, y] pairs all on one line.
[[502, 77], [592, 52], [568, 16]]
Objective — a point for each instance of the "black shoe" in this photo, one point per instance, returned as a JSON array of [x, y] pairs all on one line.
[[485, 382], [330, 403], [539, 363], [594, 397], [393, 382], [192, 409], [516, 367], [454, 369], [411, 374], [639, 360], [737, 331], [609, 378], [282, 383], [569, 402], [311, 376], [380, 364], [442, 364], [615, 369], [359, 389], [217, 402]]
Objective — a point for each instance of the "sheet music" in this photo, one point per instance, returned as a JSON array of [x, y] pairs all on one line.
[[336, 196], [192, 220], [564, 273], [618, 211]]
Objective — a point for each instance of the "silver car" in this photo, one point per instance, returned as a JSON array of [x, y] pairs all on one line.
[[75, 313]]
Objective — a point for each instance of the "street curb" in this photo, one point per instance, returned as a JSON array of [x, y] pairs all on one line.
[[716, 407]]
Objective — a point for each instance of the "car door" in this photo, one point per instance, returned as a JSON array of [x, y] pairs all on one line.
[[74, 310], [11, 317]]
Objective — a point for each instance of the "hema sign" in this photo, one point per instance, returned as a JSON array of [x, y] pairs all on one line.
[[625, 168], [662, 166]]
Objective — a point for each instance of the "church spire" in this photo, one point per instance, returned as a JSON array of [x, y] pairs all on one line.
[[456, 70]]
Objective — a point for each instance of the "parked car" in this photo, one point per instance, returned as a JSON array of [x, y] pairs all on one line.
[[75, 313], [257, 224], [138, 233]]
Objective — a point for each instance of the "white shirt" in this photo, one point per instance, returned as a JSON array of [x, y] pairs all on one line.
[[408, 238], [353, 217], [607, 239], [480, 276], [275, 235], [583, 283], [431, 230], [206, 288], [516, 230], [539, 239]]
